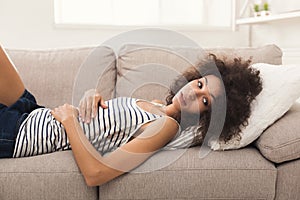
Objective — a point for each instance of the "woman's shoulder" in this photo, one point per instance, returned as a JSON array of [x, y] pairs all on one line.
[[165, 128], [166, 123], [171, 121]]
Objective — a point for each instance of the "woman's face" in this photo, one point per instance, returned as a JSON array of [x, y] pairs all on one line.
[[198, 95]]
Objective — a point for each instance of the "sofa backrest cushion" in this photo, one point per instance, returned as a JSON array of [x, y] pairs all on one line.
[[281, 141], [146, 71], [270, 54], [52, 75], [97, 71]]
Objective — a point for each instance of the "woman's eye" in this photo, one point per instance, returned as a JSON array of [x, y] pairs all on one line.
[[205, 101], [200, 85]]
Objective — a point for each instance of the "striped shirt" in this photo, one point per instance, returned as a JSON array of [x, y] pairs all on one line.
[[40, 133]]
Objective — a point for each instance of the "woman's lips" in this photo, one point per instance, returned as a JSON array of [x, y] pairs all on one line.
[[181, 99]]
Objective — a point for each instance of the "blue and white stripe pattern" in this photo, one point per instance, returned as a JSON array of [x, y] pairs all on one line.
[[115, 125], [40, 133]]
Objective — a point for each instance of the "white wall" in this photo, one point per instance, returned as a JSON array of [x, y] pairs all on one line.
[[30, 24], [284, 33]]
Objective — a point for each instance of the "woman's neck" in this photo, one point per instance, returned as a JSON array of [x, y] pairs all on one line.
[[152, 107], [171, 111]]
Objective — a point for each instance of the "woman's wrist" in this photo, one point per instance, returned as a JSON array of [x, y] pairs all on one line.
[[66, 114], [72, 120]]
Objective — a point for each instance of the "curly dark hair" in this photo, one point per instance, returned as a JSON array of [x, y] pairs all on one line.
[[242, 84]]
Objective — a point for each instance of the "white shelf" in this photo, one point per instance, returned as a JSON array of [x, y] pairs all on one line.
[[263, 19]]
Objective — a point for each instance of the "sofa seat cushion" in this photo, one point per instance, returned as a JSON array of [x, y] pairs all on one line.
[[281, 141], [220, 175], [288, 181], [49, 176]]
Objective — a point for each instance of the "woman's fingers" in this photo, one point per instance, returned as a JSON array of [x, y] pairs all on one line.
[[98, 100], [85, 107], [82, 106], [88, 109], [103, 104], [89, 104]]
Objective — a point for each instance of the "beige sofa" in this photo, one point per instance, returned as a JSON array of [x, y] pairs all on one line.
[[267, 169]]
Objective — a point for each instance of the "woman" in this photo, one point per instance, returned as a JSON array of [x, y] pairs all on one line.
[[131, 137]]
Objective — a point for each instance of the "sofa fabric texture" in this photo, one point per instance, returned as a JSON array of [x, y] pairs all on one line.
[[281, 141], [54, 77], [43, 177], [61, 76], [288, 181], [220, 175], [271, 54], [136, 63]]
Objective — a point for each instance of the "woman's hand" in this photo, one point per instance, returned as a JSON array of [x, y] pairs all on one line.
[[89, 103], [65, 113]]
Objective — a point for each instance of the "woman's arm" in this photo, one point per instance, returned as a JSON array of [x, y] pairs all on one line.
[[157, 101], [98, 170]]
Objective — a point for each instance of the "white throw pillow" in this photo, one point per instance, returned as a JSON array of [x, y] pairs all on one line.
[[281, 88]]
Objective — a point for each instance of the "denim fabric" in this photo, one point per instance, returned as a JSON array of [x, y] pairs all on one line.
[[10, 120]]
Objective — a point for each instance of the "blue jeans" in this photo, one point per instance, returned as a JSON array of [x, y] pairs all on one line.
[[10, 120]]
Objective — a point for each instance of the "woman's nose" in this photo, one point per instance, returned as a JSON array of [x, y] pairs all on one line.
[[194, 94]]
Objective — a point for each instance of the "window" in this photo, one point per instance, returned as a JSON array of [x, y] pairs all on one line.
[[212, 13]]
